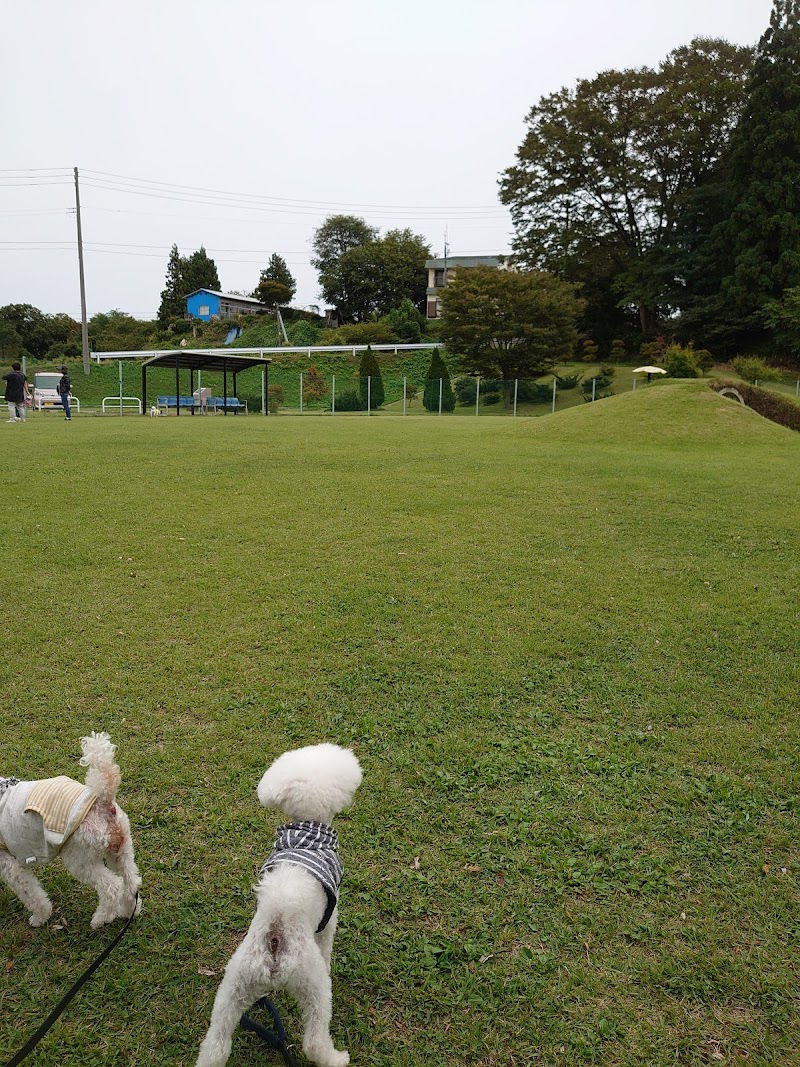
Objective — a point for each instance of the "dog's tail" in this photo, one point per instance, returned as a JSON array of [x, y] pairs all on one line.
[[103, 776]]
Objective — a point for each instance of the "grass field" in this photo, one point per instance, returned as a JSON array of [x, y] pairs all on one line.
[[565, 651]]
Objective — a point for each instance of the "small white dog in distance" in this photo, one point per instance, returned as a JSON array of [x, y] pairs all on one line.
[[289, 943], [82, 824], [154, 412]]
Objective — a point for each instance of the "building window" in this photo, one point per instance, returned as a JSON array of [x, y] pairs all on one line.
[[438, 279], [203, 309], [433, 309]]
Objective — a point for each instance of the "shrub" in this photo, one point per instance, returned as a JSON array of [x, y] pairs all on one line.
[[529, 392], [617, 351], [600, 383], [608, 370], [359, 333], [438, 372], [774, 406], [370, 383], [314, 385], [275, 396], [589, 351], [466, 389], [681, 362], [491, 397], [406, 321], [569, 381], [349, 400], [753, 369]]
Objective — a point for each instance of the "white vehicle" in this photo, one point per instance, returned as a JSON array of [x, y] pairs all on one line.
[[45, 392]]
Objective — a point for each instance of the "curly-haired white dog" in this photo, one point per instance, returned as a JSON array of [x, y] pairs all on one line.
[[289, 943], [82, 824]]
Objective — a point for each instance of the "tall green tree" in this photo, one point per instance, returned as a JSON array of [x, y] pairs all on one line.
[[610, 163], [199, 271], [173, 298], [276, 272], [370, 382], [437, 381], [336, 236], [509, 324], [762, 230]]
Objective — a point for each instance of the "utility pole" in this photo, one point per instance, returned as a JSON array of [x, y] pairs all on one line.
[[84, 326]]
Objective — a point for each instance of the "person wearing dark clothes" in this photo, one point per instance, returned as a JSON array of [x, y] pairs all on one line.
[[16, 390], [64, 387]]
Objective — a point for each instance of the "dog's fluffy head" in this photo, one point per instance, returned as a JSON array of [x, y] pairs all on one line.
[[316, 782]]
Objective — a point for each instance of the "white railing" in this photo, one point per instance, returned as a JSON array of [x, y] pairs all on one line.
[[233, 352], [120, 403]]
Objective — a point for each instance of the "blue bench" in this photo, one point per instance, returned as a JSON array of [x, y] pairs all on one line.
[[217, 403], [213, 403]]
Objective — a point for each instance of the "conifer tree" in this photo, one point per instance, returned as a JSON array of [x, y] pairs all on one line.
[[762, 233], [438, 372], [173, 303], [369, 369]]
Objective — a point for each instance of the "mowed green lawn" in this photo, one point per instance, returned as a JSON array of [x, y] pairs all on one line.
[[565, 651]]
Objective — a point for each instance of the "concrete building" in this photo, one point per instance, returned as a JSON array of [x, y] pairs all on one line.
[[442, 271]]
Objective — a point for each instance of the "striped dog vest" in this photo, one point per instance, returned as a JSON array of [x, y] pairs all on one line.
[[315, 847]]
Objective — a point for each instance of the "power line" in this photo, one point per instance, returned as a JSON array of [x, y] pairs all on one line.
[[290, 200]]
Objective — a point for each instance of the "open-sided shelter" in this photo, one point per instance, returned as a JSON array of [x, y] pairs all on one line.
[[230, 363]]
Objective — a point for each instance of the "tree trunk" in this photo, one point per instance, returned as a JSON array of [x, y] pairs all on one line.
[[647, 319]]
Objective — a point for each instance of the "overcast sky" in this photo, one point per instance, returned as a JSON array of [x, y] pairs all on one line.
[[241, 125]]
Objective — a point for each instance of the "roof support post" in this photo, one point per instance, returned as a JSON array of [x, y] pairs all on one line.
[[144, 388], [225, 389]]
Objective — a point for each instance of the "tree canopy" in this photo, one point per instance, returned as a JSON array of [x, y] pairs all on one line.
[[363, 274], [509, 324], [185, 274], [609, 164], [276, 284]]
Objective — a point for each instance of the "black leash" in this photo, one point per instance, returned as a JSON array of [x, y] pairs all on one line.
[[34, 1040], [277, 1041]]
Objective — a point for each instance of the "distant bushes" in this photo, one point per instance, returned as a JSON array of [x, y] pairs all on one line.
[[773, 406], [753, 369]]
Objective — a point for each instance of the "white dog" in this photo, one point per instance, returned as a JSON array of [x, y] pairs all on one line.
[[82, 824], [154, 412], [289, 943]]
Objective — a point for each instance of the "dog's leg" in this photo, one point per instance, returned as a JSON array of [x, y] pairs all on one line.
[[310, 984], [325, 939], [243, 983], [87, 866], [26, 887], [123, 863]]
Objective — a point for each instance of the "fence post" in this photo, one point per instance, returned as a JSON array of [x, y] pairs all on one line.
[[555, 385], [797, 388], [594, 387], [301, 394], [404, 396], [333, 395], [634, 386], [477, 393], [516, 385], [369, 394], [440, 395], [120, 387]]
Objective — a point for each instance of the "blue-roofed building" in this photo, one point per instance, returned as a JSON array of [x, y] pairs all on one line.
[[208, 304]]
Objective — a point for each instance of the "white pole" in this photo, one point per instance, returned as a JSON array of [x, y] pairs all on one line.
[[477, 394], [594, 387], [263, 391], [301, 394], [516, 386], [797, 388], [120, 387], [404, 395], [333, 396], [440, 395], [634, 385], [369, 394], [555, 386]]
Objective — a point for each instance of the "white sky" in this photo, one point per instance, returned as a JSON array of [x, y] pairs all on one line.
[[404, 112]]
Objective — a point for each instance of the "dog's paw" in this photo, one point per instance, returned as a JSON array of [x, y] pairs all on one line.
[[339, 1059], [41, 915]]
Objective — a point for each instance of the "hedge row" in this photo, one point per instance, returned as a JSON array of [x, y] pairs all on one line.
[[772, 406]]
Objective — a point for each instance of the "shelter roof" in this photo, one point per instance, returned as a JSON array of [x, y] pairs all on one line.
[[221, 359], [227, 296]]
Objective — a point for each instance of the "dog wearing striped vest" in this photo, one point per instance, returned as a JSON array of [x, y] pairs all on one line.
[[81, 823], [289, 943]]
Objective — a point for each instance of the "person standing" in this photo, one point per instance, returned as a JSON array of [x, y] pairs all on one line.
[[16, 389], [64, 386]]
